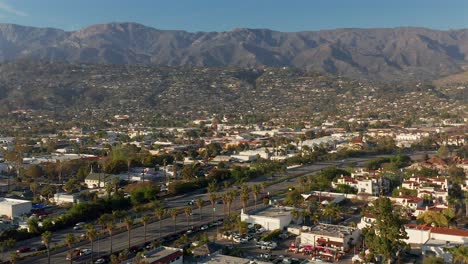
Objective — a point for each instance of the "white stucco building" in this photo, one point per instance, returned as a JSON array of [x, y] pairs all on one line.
[[14, 207], [336, 236], [271, 217]]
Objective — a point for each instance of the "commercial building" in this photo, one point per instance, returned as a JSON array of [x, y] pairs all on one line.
[[164, 255], [270, 217], [14, 207], [63, 198], [333, 236]]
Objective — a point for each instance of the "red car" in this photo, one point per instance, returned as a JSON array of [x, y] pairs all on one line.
[[23, 249]]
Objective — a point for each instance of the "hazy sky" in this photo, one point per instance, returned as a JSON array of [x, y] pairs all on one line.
[[222, 15]]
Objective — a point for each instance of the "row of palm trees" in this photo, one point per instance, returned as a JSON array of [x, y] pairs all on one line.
[[109, 221], [331, 211]]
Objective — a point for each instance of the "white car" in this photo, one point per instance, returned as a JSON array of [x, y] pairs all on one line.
[[204, 227], [100, 261], [86, 251]]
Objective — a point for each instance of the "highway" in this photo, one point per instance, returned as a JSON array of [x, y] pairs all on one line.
[[120, 240]]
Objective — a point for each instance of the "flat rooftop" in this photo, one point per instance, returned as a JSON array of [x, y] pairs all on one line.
[[12, 201], [438, 243], [160, 253], [223, 259], [272, 211], [331, 230]]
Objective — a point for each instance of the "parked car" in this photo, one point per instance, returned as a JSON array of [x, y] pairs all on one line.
[[23, 249], [40, 248], [204, 227], [85, 252], [100, 261], [79, 225]]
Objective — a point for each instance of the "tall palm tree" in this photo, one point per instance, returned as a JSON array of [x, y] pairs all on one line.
[[145, 220], [245, 196], [46, 238], [255, 192], [188, 213], [230, 198], [70, 239], [213, 198], [200, 203], [174, 213], [225, 198], [160, 212], [128, 224], [108, 222], [110, 226], [91, 234], [303, 181]]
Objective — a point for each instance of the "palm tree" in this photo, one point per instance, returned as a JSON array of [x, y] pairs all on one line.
[[230, 199], [145, 220], [70, 239], [188, 213], [213, 198], [245, 196], [256, 192], [110, 226], [174, 214], [91, 234], [128, 224], [225, 198], [460, 254], [200, 203], [107, 221], [160, 212], [109, 189], [303, 181], [46, 238], [332, 211]]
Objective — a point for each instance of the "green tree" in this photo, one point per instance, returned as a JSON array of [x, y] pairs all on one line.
[[384, 237], [437, 218], [443, 152], [46, 238], [33, 225], [433, 260], [460, 254]]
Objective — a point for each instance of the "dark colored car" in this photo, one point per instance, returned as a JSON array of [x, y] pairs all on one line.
[[23, 249], [40, 248]]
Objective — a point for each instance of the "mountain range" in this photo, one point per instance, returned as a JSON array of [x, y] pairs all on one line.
[[406, 53]]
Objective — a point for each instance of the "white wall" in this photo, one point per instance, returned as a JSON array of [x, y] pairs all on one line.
[[416, 236]]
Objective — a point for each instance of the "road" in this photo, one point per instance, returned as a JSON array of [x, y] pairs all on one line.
[[120, 240]]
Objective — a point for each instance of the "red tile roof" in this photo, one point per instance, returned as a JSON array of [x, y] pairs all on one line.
[[450, 231]]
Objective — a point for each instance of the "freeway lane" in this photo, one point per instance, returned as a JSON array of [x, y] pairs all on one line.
[[120, 240]]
